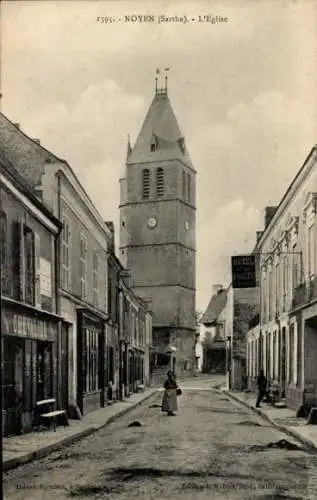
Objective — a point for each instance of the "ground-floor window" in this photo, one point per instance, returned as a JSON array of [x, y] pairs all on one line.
[[111, 364], [44, 370], [268, 354], [197, 362], [299, 356], [291, 353], [13, 368], [90, 360], [274, 356]]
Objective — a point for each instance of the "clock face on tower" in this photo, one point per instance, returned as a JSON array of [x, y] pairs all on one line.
[[152, 222], [186, 224]]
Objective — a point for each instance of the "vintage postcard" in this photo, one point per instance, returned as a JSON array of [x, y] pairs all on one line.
[[158, 249]]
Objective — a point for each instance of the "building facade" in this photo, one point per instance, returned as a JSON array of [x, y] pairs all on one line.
[[286, 342], [33, 355], [83, 272], [157, 229], [211, 345], [241, 308], [135, 339], [115, 270]]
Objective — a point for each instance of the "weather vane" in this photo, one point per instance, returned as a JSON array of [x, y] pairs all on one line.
[[158, 72]]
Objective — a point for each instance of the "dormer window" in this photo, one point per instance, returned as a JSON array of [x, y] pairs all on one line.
[[154, 144], [181, 143]]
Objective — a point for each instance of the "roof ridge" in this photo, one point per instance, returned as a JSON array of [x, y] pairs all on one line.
[[28, 138]]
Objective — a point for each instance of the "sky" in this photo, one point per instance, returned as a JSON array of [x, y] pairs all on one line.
[[244, 93]]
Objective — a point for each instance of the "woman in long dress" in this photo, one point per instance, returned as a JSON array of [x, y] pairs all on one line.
[[169, 403]]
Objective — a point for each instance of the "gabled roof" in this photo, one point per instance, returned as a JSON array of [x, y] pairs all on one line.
[[160, 127], [216, 305]]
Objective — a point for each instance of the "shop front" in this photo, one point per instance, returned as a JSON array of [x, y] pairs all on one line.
[[30, 365], [136, 369], [92, 370]]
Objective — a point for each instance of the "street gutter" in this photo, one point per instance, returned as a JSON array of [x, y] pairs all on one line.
[[290, 432]]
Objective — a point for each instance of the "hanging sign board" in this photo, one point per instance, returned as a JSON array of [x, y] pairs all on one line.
[[243, 271]]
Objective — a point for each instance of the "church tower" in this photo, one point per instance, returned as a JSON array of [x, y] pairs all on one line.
[[157, 228]]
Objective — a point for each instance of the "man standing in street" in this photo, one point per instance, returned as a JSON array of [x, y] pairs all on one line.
[[262, 386]]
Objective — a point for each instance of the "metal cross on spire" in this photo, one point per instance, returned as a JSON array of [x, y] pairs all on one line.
[[161, 91]]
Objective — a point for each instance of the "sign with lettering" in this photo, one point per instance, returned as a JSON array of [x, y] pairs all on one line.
[[24, 326], [45, 277], [243, 271]]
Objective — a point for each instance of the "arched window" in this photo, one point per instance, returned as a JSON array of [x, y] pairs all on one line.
[[159, 182], [145, 183]]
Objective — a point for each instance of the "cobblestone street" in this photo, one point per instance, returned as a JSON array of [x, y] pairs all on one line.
[[214, 448]]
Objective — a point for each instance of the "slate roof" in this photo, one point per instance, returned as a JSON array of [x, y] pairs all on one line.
[[27, 156], [216, 305], [20, 183], [160, 125]]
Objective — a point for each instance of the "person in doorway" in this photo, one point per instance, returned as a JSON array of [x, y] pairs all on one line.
[[262, 388], [169, 403]]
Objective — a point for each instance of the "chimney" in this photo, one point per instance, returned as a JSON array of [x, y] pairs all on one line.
[[268, 214], [17, 125], [37, 141], [110, 226], [216, 289], [258, 235]]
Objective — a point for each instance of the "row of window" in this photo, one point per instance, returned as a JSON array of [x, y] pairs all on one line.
[[131, 322], [278, 282], [159, 184], [83, 269], [293, 267], [22, 261], [279, 353]]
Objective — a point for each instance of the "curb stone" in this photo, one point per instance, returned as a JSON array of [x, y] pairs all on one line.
[[15, 462], [291, 433]]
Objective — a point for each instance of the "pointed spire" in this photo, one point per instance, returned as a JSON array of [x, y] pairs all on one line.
[[129, 148], [160, 136]]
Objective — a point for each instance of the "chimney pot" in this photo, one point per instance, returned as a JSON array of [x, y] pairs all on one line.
[[268, 215], [17, 125], [37, 141]]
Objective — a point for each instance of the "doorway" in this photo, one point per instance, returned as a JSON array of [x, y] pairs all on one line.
[[283, 361], [44, 371], [13, 384]]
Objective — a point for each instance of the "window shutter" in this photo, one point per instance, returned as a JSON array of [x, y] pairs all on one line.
[[37, 269], [69, 260], [18, 259]]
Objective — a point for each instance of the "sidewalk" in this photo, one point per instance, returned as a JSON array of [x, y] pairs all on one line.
[[18, 450], [283, 419]]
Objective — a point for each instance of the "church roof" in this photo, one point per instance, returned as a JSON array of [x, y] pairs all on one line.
[[160, 130], [216, 305]]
